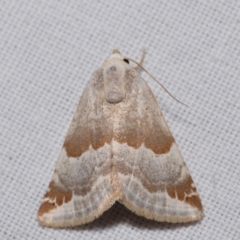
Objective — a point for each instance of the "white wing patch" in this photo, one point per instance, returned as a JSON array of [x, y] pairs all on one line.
[[80, 189], [147, 179]]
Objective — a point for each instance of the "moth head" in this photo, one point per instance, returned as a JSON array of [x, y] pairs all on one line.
[[114, 69], [116, 56]]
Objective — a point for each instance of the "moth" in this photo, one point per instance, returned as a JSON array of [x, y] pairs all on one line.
[[119, 148]]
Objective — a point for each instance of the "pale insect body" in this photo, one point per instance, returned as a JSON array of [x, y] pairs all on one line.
[[119, 148]]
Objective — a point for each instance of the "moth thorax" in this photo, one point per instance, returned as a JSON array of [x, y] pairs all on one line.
[[114, 85]]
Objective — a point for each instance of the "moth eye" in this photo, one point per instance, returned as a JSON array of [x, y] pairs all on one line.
[[126, 60]]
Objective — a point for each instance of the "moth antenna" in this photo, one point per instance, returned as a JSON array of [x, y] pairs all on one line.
[[137, 68], [140, 65]]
